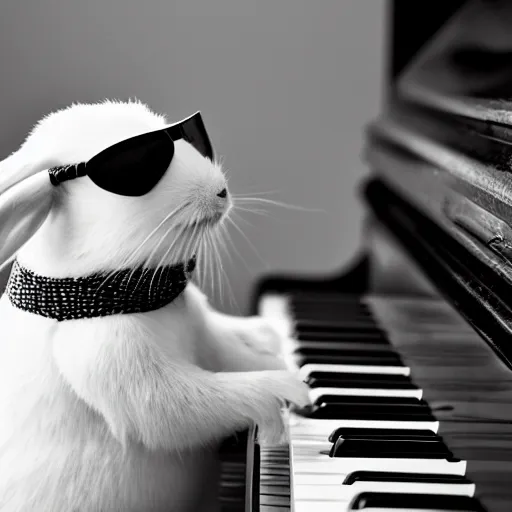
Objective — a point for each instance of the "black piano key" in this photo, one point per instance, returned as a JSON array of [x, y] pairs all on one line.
[[336, 310], [340, 326], [313, 319], [312, 297], [369, 383], [369, 336], [415, 501], [380, 448], [387, 433], [388, 437], [319, 351], [333, 317], [334, 346], [337, 321], [346, 313], [336, 411], [372, 401], [381, 403], [330, 358], [318, 379], [326, 296], [390, 476], [348, 345]]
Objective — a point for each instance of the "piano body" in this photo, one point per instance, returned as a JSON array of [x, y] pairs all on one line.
[[409, 353]]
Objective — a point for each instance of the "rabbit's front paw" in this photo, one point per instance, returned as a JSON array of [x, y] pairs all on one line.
[[272, 391]]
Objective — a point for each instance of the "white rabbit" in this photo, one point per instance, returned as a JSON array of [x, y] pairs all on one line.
[[121, 412]]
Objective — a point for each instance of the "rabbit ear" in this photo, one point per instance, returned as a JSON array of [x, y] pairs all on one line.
[[23, 209], [17, 167], [26, 197]]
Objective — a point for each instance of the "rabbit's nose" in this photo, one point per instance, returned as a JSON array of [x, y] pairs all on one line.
[[223, 193]]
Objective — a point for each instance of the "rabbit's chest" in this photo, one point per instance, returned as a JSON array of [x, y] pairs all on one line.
[[30, 382]]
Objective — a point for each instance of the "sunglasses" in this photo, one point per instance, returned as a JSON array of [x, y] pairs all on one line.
[[134, 166]]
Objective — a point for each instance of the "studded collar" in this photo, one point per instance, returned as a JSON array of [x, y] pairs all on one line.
[[126, 291]]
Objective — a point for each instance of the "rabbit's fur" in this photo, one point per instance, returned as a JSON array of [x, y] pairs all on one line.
[[125, 412]]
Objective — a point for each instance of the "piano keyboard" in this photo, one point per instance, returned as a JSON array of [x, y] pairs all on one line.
[[370, 441]]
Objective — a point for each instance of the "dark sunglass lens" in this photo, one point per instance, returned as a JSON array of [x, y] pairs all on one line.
[[134, 166]]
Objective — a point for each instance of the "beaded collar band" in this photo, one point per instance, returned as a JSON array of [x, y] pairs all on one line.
[[92, 296]]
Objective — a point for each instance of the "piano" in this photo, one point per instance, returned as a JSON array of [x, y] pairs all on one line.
[[408, 353]]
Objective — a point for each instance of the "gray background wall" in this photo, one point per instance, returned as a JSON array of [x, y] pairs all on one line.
[[285, 87]]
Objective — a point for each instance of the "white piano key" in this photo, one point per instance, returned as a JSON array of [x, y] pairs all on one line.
[[301, 425], [414, 487], [315, 393], [380, 509], [333, 506], [300, 444], [317, 479], [323, 493], [302, 464], [344, 493], [309, 506], [324, 480], [307, 369]]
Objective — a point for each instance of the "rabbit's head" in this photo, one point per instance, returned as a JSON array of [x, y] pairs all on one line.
[[78, 227]]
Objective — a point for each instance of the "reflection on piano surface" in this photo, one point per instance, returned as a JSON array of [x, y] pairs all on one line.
[[409, 354]]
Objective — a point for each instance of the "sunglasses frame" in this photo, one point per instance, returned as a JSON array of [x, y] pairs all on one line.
[[116, 169]]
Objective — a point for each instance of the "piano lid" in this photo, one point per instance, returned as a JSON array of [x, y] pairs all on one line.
[[444, 146], [445, 139], [466, 68]]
